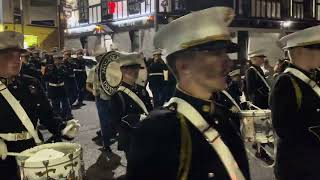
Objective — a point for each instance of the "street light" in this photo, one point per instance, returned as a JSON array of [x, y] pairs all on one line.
[[286, 24]]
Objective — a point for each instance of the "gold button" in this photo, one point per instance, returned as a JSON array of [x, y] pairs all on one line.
[[210, 175], [206, 108]]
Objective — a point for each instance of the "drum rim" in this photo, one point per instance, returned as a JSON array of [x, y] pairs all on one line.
[[76, 154], [53, 165], [256, 113]]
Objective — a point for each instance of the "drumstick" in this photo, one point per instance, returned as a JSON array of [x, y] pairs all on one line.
[[19, 154]]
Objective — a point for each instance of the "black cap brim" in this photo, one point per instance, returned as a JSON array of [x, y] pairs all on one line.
[[133, 66], [227, 45], [14, 49], [312, 46]]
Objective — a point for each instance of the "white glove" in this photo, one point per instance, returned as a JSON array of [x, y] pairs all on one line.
[[72, 129], [3, 150], [142, 116]]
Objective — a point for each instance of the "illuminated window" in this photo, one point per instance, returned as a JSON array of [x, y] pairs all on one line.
[[83, 11]]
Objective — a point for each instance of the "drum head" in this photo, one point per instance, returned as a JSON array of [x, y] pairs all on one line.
[[109, 72]]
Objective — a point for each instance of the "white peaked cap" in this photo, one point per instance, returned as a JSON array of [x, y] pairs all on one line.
[[256, 53], [128, 59], [197, 28], [306, 37]]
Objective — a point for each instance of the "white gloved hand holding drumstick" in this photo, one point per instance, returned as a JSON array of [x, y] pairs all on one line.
[[3, 149], [72, 129]]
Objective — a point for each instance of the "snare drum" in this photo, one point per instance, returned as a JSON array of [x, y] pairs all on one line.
[[70, 166], [257, 126]]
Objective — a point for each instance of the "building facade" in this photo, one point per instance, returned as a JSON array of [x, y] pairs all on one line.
[[130, 25], [36, 19]]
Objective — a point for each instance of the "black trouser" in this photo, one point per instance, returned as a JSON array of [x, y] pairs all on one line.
[[9, 169], [81, 78], [71, 89]]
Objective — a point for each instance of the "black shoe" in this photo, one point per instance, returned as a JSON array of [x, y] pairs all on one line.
[[95, 138], [98, 141], [265, 158], [74, 107], [106, 149], [79, 104]]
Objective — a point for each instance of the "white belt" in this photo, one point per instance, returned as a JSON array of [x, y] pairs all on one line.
[[16, 136], [79, 70], [156, 74], [56, 85]]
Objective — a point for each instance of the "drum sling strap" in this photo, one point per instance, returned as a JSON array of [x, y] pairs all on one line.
[[212, 136], [315, 88], [261, 77], [19, 111], [134, 97], [231, 99], [305, 79]]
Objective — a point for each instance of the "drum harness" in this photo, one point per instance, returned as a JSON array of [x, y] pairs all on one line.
[[305, 79], [186, 111], [314, 86], [231, 99], [22, 115], [135, 98], [261, 77]]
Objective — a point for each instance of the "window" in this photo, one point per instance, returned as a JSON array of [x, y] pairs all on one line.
[[94, 14], [83, 11], [297, 9], [317, 9], [265, 8]]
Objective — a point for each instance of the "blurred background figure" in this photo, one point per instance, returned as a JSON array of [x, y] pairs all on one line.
[[156, 78], [55, 75], [70, 81]]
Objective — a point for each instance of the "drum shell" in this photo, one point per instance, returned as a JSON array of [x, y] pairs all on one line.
[[64, 167], [256, 125]]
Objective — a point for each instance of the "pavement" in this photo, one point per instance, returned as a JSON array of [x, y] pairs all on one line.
[[99, 167]]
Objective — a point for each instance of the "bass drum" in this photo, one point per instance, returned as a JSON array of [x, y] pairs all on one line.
[[110, 75], [109, 72]]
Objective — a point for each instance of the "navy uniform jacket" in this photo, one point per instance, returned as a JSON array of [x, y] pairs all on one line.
[[55, 74], [29, 93], [30, 70], [156, 146], [123, 105], [298, 153], [156, 80], [70, 81], [257, 90], [36, 61]]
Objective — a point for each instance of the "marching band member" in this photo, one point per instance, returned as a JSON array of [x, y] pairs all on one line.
[[256, 82], [295, 106], [22, 103], [130, 101], [192, 137]]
